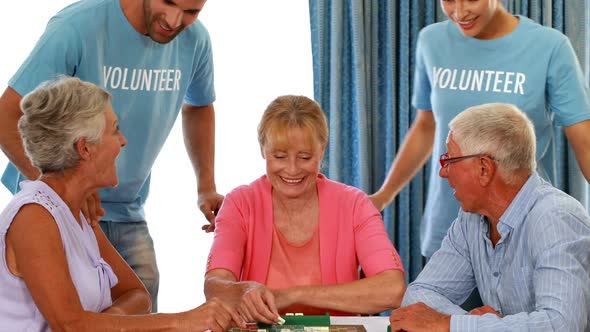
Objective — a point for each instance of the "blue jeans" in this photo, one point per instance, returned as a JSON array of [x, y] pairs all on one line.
[[134, 243]]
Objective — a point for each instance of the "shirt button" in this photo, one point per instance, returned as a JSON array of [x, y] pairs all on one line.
[[496, 274]]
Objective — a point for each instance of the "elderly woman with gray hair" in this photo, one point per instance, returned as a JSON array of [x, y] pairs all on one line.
[[57, 272]]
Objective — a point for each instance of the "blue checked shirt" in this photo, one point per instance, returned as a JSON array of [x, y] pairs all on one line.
[[537, 276]]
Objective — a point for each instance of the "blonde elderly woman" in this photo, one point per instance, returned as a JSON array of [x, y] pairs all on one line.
[[57, 272], [293, 240]]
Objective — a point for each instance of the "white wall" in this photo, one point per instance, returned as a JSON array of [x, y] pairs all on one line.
[[261, 50]]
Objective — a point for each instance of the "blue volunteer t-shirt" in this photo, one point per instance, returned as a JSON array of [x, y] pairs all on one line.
[[149, 81], [534, 68]]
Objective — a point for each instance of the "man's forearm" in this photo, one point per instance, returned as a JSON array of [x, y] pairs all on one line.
[[199, 138], [10, 140], [438, 302]]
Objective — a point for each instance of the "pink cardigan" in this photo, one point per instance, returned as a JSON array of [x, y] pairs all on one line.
[[351, 232]]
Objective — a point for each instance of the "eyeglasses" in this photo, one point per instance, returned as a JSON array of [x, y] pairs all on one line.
[[445, 159]]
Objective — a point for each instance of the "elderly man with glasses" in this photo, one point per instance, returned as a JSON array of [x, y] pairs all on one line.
[[523, 243]]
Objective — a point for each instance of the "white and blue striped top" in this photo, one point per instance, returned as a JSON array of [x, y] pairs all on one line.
[[537, 276]]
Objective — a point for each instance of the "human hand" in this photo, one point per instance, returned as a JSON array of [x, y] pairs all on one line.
[[284, 297], [215, 316], [419, 317], [257, 304], [379, 200], [209, 203], [486, 309], [92, 209]]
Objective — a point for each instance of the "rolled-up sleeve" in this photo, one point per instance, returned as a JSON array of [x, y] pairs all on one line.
[[374, 249], [227, 250]]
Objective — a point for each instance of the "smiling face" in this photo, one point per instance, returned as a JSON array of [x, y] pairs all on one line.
[[105, 152], [475, 18], [165, 19], [293, 162]]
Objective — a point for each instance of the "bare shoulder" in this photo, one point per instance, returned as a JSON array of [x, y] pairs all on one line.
[[32, 236], [32, 223], [32, 215]]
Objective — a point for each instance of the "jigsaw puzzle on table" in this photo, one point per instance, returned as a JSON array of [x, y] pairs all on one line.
[[302, 323]]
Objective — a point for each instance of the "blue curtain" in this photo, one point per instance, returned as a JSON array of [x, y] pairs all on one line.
[[363, 63]]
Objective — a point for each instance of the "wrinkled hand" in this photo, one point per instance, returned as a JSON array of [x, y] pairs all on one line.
[[257, 304], [419, 317], [215, 316], [92, 209], [284, 297], [378, 200], [486, 309], [209, 203]]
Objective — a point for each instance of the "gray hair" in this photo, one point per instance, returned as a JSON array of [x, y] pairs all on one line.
[[55, 116], [500, 130]]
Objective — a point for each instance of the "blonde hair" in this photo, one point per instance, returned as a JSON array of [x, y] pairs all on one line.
[[290, 111]]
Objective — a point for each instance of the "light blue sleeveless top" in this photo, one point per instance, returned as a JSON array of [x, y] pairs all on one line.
[[92, 276]]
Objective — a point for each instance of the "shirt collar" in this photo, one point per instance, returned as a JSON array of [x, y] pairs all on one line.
[[518, 209]]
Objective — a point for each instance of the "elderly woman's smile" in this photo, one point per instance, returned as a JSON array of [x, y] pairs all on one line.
[[293, 162]]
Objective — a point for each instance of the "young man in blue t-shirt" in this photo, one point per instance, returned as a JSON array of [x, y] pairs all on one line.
[[155, 58]]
